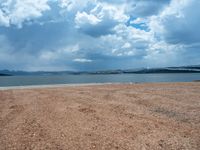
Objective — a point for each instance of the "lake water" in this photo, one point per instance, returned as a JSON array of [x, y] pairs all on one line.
[[113, 78]]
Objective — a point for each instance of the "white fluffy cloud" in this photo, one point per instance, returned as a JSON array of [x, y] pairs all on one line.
[[127, 41], [83, 19], [82, 60], [15, 12], [100, 20]]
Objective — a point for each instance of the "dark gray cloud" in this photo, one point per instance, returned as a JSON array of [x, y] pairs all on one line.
[[183, 25], [146, 8]]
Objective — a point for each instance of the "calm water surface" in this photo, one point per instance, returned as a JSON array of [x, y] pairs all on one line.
[[114, 78]]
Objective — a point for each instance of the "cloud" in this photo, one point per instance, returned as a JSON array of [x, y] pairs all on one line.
[[15, 12], [74, 5], [176, 33], [82, 60], [145, 8], [100, 20], [98, 34], [179, 22], [86, 19]]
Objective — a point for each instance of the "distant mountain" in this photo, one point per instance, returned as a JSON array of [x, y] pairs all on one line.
[[182, 69], [18, 73], [2, 74]]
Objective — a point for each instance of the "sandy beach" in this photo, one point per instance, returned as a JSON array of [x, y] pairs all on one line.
[[111, 116]]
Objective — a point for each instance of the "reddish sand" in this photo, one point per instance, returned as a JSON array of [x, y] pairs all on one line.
[[135, 117]]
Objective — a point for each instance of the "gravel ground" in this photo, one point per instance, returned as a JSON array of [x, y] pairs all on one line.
[[112, 116]]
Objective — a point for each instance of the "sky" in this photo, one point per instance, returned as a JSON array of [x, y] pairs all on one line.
[[55, 35]]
